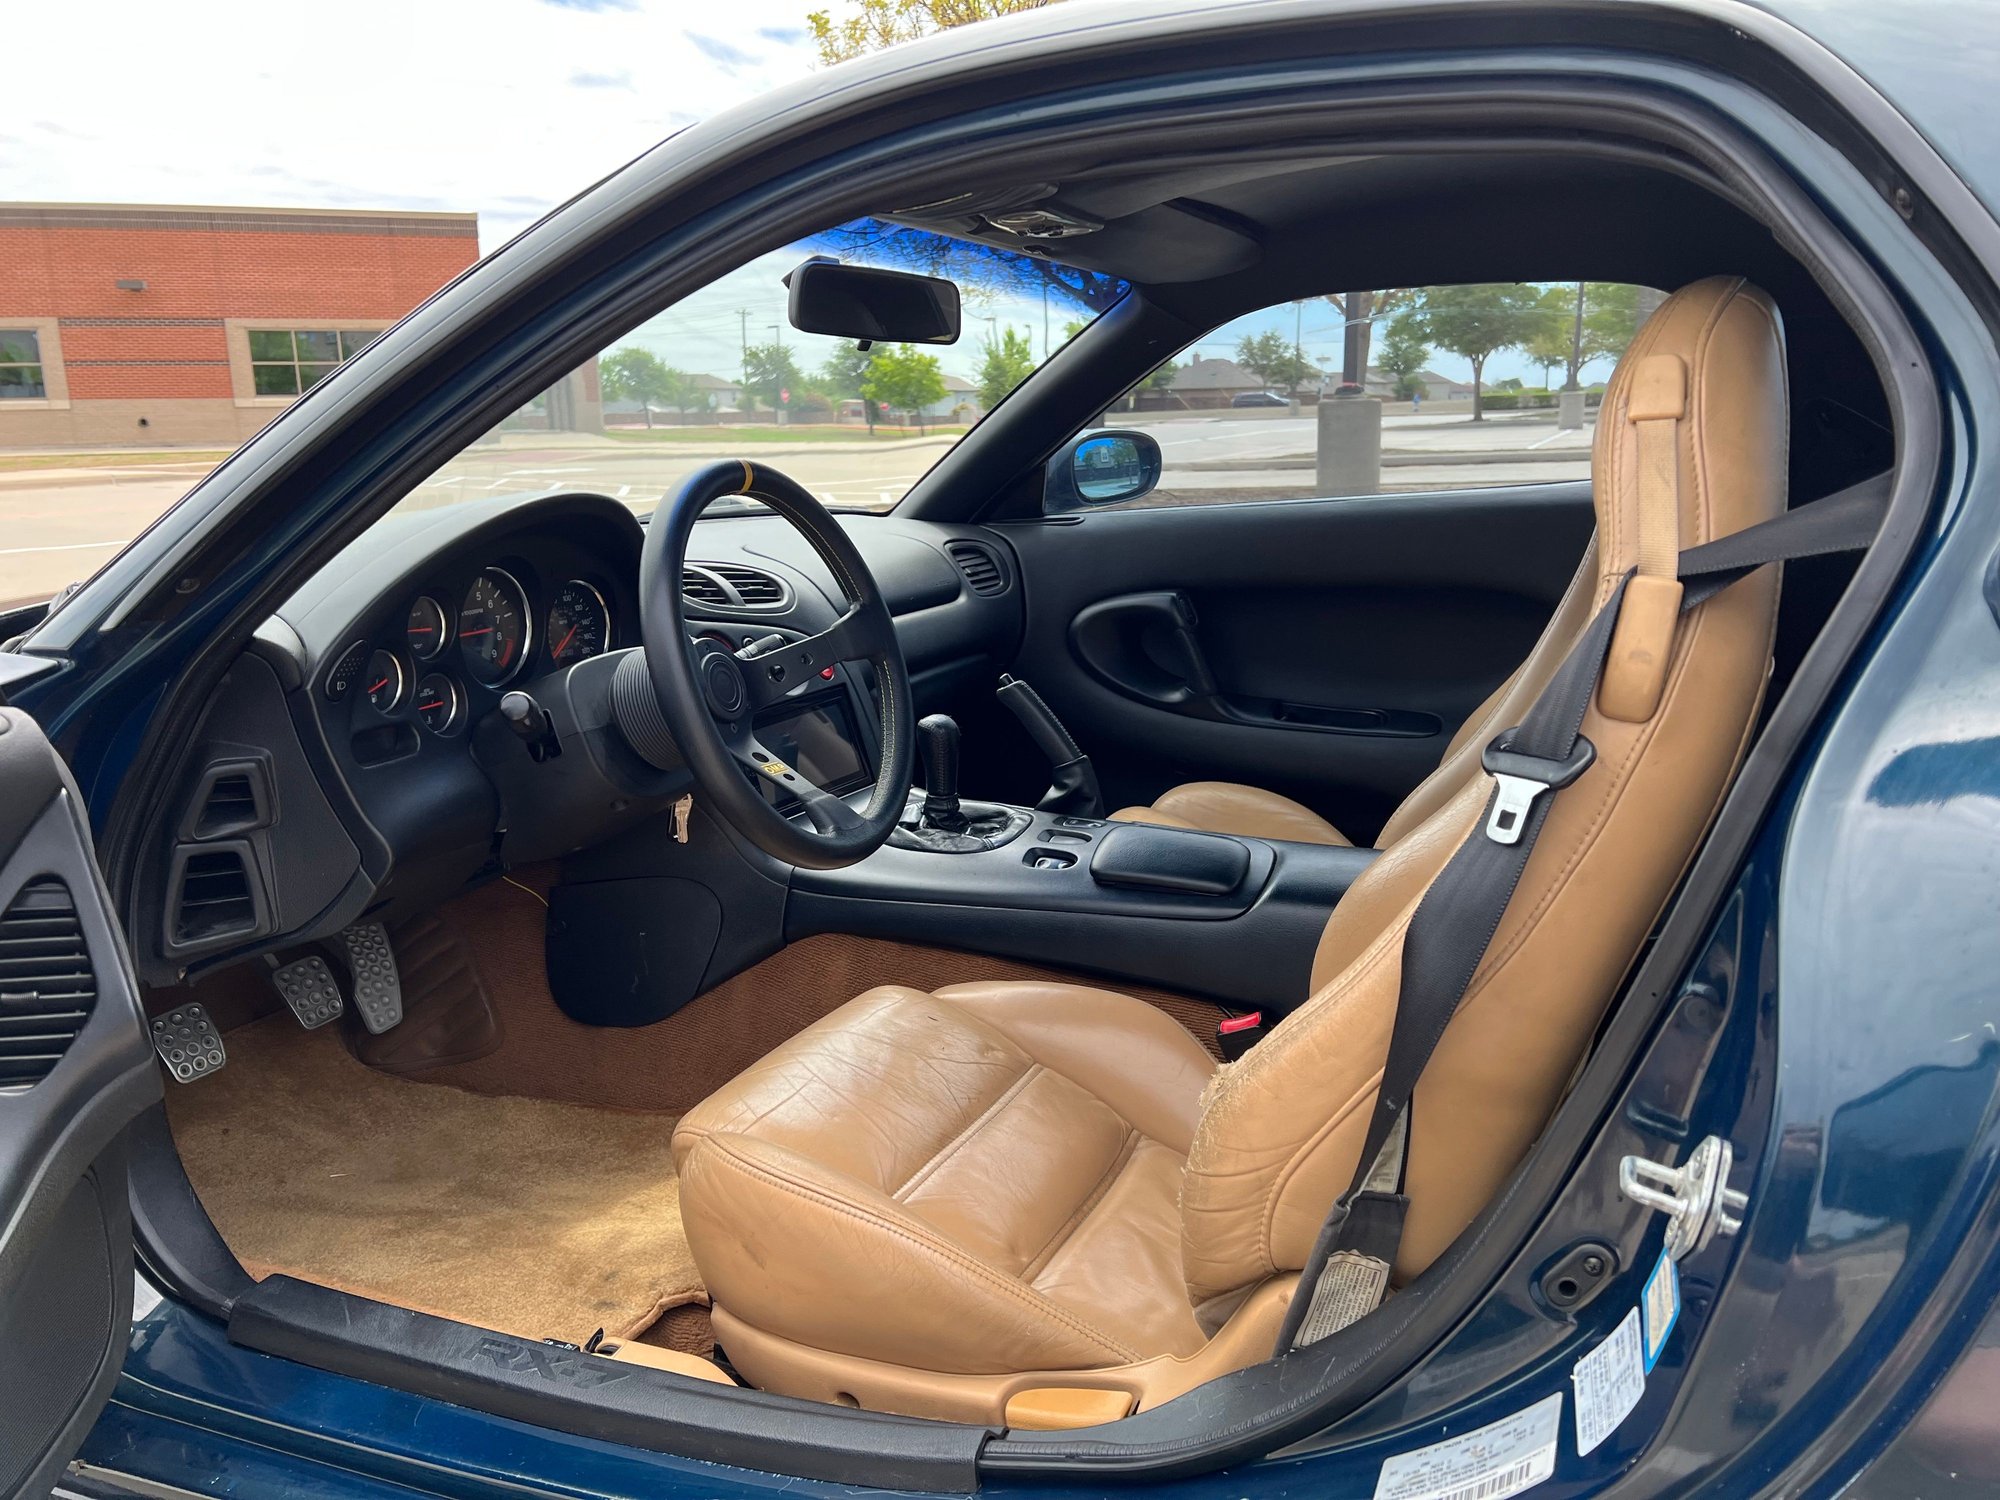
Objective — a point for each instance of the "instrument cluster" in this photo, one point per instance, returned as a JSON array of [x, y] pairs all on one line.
[[458, 647]]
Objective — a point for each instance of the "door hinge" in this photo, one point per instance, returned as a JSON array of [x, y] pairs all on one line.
[[1695, 1196]]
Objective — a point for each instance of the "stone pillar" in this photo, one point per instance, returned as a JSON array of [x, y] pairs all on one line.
[[1350, 446], [1569, 411]]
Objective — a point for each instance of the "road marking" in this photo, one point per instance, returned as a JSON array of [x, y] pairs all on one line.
[[60, 547]]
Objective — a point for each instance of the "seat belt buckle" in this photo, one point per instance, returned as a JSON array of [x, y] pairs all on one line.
[[1520, 779], [1236, 1035]]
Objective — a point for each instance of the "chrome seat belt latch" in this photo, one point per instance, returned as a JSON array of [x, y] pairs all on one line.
[[1519, 779], [1695, 1196]]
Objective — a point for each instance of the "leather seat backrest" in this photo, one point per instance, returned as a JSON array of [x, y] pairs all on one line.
[[1281, 1129]]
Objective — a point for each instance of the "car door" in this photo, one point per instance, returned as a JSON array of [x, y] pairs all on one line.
[[76, 1066]]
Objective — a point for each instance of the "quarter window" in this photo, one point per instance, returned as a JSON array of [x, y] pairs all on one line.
[[21, 365], [291, 361]]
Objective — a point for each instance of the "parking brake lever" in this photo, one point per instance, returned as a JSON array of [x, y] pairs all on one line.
[[1073, 788]]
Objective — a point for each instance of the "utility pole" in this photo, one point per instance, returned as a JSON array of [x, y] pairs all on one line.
[[743, 366], [1298, 348], [1045, 322]]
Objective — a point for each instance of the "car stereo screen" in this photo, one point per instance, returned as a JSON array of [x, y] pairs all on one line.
[[820, 743]]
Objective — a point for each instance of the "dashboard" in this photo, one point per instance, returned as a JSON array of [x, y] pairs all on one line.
[[354, 762]]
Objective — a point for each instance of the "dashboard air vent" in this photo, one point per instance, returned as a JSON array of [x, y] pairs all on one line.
[[47, 987], [212, 898], [233, 797], [733, 586], [982, 570]]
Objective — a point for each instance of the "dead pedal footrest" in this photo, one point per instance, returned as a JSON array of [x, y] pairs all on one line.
[[307, 985], [188, 1043], [378, 988]]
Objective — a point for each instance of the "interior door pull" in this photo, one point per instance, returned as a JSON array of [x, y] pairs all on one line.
[[1194, 665]]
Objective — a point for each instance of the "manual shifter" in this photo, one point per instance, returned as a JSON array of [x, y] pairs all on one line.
[[938, 740], [938, 822]]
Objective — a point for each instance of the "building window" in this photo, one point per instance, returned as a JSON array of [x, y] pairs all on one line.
[[290, 361], [21, 365]]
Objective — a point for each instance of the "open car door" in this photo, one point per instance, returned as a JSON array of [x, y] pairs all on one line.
[[76, 1066]]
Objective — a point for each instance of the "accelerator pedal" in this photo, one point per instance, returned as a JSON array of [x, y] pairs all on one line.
[[378, 988], [188, 1043], [307, 985]]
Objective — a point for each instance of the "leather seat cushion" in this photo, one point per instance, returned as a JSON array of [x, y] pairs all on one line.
[[999, 1164], [1230, 807]]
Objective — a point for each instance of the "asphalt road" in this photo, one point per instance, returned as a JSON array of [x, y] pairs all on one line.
[[58, 525]]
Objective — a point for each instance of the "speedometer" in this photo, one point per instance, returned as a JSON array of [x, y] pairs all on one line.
[[494, 627], [579, 623]]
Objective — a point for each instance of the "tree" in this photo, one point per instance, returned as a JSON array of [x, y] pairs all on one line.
[[1004, 362], [1402, 356], [1550, 344], [1275, 360], [1477, 322], [842, 374], [768, 371], [871, 25], [903, 378], [642, 376]]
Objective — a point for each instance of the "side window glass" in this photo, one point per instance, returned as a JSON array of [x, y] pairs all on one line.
[[1408, 389]]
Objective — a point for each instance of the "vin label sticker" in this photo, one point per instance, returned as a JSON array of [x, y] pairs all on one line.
[[1609, 1382], [1662, 1304], [1500, 1459]]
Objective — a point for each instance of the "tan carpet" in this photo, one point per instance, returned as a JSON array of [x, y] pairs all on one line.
[[533, 1217]]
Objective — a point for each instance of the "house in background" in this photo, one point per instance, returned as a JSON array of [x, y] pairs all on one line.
[[142, 326]]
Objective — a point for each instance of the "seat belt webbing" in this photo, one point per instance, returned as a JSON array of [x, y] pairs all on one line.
[[1347, 1271]]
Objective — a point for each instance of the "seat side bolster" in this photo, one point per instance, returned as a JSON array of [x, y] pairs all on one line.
[[1135, 1058], [778, 1236]]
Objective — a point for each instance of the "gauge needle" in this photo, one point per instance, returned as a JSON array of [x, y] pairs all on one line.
[[427, 707], [482, 630], [379, 686], [557, 653]]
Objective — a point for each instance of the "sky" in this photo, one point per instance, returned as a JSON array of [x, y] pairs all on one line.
[[504, 108]]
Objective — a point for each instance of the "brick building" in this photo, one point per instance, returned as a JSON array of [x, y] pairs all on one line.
[[143, 326]]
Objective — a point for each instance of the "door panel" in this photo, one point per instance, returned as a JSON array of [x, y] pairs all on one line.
[[1326, 649], [75, 1068]]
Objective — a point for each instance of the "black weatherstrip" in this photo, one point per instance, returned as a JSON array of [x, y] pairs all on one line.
[[597, 1397]]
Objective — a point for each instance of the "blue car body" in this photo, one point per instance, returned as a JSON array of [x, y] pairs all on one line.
[[1845, 1001]]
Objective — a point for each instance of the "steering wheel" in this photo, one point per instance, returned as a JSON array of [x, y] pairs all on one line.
[[710, 697]]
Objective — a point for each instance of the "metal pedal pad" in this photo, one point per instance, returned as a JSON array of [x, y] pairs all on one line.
[[378, 988], [188, 1043], [307, 985]]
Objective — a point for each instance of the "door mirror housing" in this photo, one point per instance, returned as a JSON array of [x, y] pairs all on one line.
[[871, 306], [1103, 468]]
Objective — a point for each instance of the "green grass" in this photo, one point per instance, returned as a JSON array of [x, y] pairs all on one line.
[[753, 434], [15, 463]]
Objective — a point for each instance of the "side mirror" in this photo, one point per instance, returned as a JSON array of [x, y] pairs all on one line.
[[1102, 468], [871, 306]]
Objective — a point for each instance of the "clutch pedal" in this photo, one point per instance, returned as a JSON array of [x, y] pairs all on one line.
[[378, 987], [188, 1043]]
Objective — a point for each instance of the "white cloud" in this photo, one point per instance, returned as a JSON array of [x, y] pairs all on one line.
[[500, 107]]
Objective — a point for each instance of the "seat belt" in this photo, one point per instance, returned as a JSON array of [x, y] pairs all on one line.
[[1347, 1272]]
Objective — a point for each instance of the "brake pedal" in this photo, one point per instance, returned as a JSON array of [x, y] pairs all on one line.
[[378, 988], [188, 1043], [307, 985]]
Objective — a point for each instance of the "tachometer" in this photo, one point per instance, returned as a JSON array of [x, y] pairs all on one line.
[[493, 627], [428, 630], [579, 623]]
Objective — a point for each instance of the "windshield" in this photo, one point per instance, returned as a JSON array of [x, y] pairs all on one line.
[[721, 373]]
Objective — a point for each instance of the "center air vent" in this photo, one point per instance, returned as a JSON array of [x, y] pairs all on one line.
[[980, 565], [47, 987], [732, 586]]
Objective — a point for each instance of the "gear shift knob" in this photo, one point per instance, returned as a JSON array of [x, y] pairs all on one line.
[[937, 740]]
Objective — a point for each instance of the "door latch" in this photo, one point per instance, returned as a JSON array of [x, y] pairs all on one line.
[[1695, 1196]]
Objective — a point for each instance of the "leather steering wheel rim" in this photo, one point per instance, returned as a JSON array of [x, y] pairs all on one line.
[[711, 697]]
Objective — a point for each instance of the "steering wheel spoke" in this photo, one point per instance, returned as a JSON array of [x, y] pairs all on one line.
[[828, 813], [862, 634]]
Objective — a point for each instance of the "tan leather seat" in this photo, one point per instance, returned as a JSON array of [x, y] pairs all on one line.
[[935, 1202], [1253, 812]]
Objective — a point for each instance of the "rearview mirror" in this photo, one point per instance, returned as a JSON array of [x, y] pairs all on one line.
[[871, 306], [1103, 468]]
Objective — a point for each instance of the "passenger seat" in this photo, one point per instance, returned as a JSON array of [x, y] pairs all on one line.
[[1252, 812]]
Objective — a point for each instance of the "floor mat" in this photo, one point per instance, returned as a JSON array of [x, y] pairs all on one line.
[[533, 1217]]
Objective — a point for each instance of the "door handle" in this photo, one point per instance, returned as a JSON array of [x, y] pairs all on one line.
[[1146, 646]]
